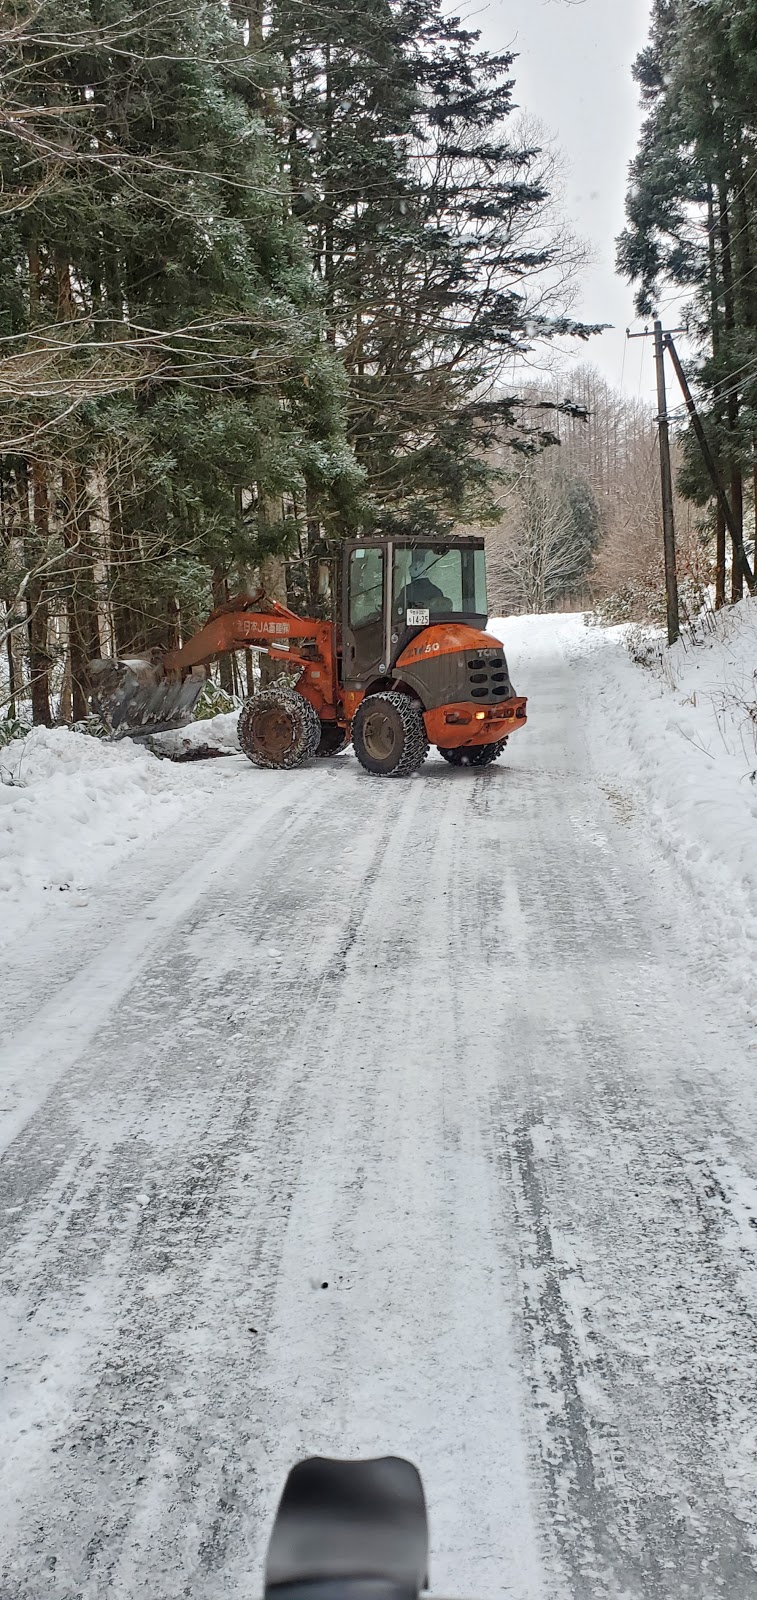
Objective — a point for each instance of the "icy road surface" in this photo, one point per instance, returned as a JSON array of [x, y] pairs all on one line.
[[360, 1117]]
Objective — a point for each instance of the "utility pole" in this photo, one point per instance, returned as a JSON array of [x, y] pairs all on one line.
[[666, 482]]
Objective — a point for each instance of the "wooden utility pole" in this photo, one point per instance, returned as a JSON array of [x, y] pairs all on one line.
[[666, 473], [666, 484]]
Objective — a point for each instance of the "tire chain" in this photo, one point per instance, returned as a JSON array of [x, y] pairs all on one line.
[[482, 755], [305, 719], [416, 746]]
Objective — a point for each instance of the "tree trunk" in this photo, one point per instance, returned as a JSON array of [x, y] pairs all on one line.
[[11, 702], [319, 575], [328, 231], [65, 708], [36, 544], [720, 532], [737, 506], [83, 632], [715, 329], [38, 611], [272, 579], [128, 622]]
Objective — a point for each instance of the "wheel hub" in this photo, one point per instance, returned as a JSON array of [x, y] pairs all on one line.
[[379, 736], [273, 733]]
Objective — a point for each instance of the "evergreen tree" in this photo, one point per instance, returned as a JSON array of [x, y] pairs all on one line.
[[692, 219], [261, 276], [169, 411], [426, 217]]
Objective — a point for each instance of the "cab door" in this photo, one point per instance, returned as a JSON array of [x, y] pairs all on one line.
[[364, 611]]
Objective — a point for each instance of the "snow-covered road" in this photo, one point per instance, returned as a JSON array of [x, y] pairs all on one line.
[[358, 1117]]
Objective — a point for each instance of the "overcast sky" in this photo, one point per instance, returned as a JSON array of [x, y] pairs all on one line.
[[574, 74]]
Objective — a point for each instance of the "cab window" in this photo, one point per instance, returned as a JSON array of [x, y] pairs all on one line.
[[366, 586], [439, 580]]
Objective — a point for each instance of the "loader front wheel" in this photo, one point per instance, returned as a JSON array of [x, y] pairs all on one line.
[[389, 735], [476, 755], [278, 728]]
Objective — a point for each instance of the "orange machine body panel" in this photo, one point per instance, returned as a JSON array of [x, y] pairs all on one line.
[[447, 639], [454, 726], [262, 624]]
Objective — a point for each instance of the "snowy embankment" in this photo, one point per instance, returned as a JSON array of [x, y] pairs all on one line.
[[71, 806], [689, 720], [674, 734]]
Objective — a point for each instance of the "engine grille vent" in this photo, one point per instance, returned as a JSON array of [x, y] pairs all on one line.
[[488, 678]]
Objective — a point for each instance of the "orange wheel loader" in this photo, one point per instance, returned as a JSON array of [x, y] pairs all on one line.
[[405, 663]]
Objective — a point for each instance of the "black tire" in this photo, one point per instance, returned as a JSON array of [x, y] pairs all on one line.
[[389, 735], [278, 728], [476, 755], [333, 739]]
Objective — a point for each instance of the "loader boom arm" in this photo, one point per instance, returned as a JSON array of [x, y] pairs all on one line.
[[251, 624], [259, 623]]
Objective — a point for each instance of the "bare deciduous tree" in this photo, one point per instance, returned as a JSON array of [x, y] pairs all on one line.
[[539, 549]]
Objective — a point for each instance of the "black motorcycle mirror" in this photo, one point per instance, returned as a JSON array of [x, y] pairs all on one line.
[[349, 1530]]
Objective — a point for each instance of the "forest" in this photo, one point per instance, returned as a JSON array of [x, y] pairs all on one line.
[[261, 275], [270, 275], [690, 241]]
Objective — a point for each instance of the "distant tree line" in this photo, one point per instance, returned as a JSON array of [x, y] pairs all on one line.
[[261, 272], [580, 522]]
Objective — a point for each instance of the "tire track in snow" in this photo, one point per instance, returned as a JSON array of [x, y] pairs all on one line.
[[177, 1244], [29, 1067], [410, 1347], [434, 1049], [639, 1322]]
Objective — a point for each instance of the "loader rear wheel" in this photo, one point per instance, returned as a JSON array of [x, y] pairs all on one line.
[[477, 755], [278, 728], [333, 739], [389, 735]]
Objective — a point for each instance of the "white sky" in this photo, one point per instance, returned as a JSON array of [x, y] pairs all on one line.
[[573, 73]]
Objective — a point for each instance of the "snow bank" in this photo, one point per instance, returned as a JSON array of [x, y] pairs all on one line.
[[220, 733], [71, 806], [689, 720], [677, 730]]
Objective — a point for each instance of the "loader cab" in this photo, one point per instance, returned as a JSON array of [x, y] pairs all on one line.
[[394, 588]]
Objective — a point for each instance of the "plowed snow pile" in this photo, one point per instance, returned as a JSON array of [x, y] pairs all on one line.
[[71, 805], [674, 733], [690, 722]]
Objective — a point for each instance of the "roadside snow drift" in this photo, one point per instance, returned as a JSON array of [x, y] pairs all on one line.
[[71, 806], [674, 733]]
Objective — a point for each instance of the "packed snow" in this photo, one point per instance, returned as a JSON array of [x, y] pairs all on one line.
[[351, 1117]]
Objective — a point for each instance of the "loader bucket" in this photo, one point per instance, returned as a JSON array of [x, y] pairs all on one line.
[[137, 698]]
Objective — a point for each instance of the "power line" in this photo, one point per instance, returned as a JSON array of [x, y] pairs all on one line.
[[726, 394]]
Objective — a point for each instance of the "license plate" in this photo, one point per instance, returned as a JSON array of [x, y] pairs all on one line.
[[418, 619]]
